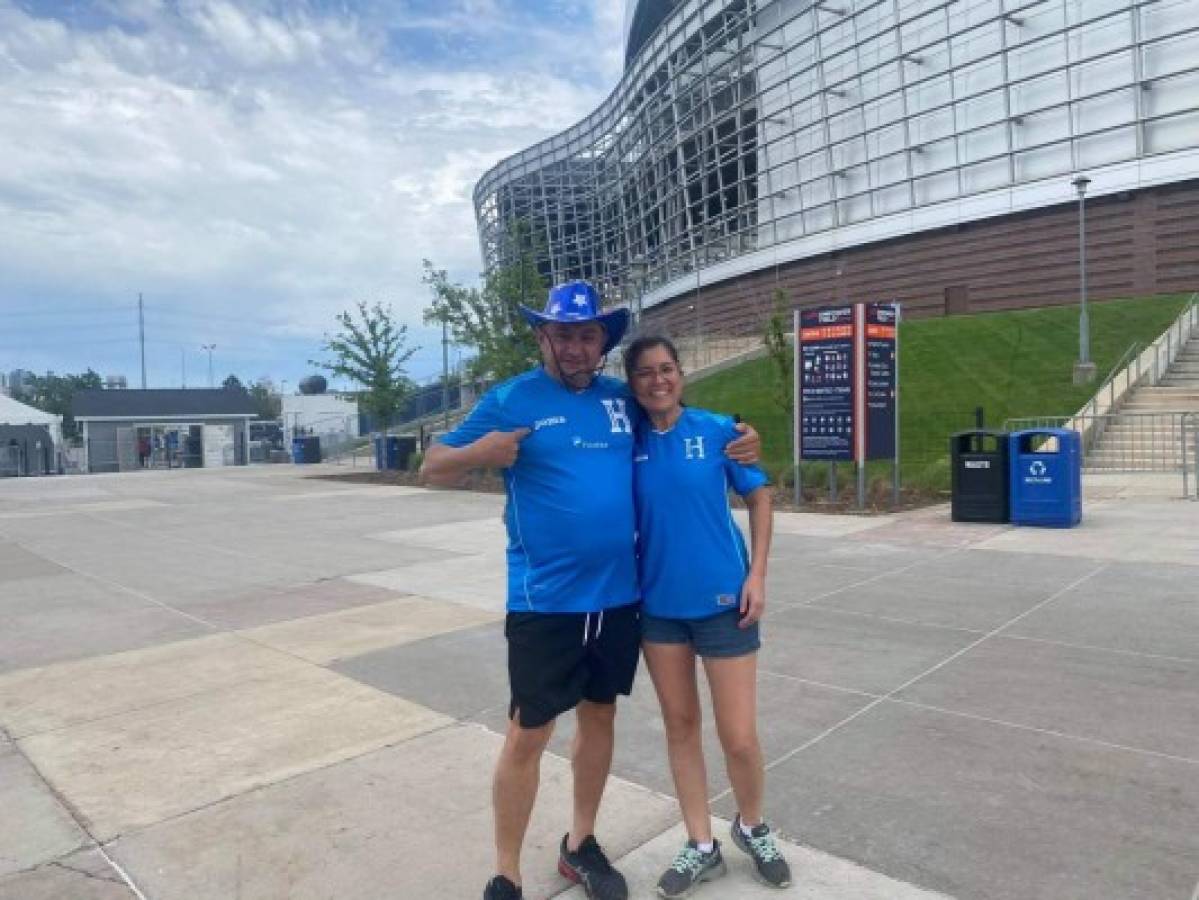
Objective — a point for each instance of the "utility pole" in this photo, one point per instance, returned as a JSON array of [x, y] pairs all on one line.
[[182, 367], [445, 374], [141, 331], [209, 348], [1084, 369]]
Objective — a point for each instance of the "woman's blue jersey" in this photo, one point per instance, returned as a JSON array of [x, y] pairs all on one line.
[[570, 513], [691, 555]]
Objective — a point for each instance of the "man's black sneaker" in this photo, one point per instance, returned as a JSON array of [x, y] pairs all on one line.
[[500, 888], [589, 867], [769, 866], [691, 868]]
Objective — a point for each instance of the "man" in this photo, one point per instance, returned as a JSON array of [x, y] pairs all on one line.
[[564, 437]]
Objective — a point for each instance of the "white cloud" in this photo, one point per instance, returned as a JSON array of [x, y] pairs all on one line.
[[232, 159]]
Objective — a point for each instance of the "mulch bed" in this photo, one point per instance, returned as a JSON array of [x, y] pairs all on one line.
[[816, 498]]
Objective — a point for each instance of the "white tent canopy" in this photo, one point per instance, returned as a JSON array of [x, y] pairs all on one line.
[[14, 413]]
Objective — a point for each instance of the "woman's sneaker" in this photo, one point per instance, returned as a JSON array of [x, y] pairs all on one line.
[[500, 888], [691, 868], [770, 867], [589, 867]]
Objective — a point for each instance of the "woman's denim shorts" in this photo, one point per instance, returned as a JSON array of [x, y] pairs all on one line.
[[715, 636]]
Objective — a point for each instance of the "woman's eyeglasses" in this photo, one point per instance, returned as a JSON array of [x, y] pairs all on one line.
[[666, 370]]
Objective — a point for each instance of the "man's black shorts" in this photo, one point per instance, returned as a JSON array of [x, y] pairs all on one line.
[[557, 659]]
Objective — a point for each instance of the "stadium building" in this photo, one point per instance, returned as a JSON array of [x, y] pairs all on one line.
[[918, 150]]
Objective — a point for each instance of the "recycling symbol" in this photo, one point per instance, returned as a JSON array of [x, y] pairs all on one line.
[[1036, 468]]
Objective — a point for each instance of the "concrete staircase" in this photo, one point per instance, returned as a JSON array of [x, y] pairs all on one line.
[[1146, 432]]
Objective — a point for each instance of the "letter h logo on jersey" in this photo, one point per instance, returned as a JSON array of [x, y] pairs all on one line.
[[618, 416], [694, 447]]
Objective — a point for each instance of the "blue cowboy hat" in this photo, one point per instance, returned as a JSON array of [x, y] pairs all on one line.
[[575, 302]]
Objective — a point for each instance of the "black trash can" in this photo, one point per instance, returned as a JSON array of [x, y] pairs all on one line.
[[979, 463], [401, 449]]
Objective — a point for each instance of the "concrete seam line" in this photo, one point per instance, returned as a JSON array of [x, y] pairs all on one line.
[[873, 578], [124, 875], [191, 545], [265, 786], [1011, 637], [988, 719], [77, 817], [897, 620], [211, 626], [1065, 735], [957, 654]]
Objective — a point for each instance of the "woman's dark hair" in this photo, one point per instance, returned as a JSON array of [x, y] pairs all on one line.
[[632, 353]]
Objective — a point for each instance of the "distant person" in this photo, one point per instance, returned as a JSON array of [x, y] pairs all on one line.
[[143, 451], [563, 434], [703, 596]]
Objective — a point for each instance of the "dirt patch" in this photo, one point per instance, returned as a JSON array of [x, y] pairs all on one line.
[[816, 500], [482, 482]]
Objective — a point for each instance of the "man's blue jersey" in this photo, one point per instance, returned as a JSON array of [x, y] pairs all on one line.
[[570, 516], [692, 557]]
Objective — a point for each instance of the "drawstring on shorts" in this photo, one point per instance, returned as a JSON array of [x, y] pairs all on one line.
[[599, 627]]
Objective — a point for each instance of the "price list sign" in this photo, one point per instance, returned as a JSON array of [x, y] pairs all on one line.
[[881, 321], [826, 383]]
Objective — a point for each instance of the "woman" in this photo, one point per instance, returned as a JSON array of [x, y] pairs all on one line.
[[703, 596]]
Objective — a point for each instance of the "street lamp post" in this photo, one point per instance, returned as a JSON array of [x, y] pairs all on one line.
[[209, 348], [1084, 368], [635, 272], [445, 373]]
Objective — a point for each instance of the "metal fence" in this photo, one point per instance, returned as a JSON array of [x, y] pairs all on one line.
[[1162, 442], [1142, 366]]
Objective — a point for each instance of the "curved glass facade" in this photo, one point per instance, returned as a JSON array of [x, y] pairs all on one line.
[[748, 132]]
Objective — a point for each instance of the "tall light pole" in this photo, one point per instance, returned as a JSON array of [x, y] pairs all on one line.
[[445, 371], [635, 271], [209, 348], [141, 334], [1084, 369]]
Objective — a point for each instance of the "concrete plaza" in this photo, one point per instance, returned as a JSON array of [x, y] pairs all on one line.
[[245, 683]]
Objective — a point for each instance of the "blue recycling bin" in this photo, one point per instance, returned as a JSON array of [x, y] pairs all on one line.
[[305, 450], [390, 452], [1045, 477]]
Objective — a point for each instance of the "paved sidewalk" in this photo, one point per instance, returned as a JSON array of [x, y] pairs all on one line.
[[249, 684]]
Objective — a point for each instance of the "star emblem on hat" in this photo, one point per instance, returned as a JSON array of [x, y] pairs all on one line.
[[581, 300]]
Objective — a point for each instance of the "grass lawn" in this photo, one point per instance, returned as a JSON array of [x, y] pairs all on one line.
[[1012, 364]]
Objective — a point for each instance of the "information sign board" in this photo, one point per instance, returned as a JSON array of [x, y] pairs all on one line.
[[826, 383], [881, 387]]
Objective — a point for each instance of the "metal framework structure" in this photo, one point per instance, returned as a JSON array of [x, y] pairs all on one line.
[[747, 132]]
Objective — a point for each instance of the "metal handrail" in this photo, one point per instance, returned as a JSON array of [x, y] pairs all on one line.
[[1127, 360], [1174, 340], [1191, 419]]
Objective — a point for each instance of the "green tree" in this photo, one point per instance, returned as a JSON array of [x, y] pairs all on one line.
[[781, 354], [267, 401], [488, 318], [54, 393], [233, 383], [371, 349]]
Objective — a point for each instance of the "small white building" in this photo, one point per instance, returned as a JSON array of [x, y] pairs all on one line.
[[331, 417], [30, 439]]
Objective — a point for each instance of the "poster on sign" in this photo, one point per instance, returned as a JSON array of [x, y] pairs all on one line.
[[826, 384], [882, 320], [847, 387]]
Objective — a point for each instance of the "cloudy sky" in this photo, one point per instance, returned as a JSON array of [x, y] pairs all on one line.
[[252, 168]]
